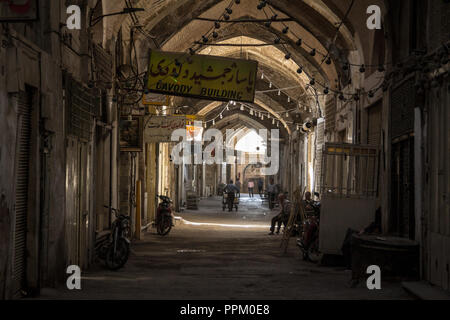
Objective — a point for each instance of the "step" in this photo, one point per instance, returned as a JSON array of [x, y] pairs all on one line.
[[425, 291]]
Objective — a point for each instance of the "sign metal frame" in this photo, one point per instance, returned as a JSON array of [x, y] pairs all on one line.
[[236, 80]]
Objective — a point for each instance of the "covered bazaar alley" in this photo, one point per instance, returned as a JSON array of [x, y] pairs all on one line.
[[224, 149]]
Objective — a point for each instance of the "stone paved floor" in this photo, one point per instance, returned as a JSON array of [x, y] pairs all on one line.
[[221, 255]]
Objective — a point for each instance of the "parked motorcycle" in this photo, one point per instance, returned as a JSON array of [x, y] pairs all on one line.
[[309, 239], [164, 219], [116, 250]]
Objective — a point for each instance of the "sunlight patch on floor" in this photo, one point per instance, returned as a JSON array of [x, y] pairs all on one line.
[[224, 225]]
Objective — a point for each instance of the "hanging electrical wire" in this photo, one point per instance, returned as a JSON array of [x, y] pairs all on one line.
[[225, 16]]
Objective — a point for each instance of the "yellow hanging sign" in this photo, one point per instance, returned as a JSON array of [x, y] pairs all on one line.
[[202, 76]]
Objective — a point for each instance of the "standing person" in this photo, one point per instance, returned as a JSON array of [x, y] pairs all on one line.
[[230, 190], [271, 190], [251, 185], [260, 187], [238, 185]]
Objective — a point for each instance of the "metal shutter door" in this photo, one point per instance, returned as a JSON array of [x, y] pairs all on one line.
[[21, 201], [374, 125], [319, 148]]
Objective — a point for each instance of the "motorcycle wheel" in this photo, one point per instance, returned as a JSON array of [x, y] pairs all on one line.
[[313, 253], [116, 260], [164, 226]]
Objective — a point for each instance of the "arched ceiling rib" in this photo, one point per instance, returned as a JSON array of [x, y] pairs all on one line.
[[259, 104], [282, 76], [318, 18], [172, 23], [242, 123], [268, 57], [176, 30], [190, 33]]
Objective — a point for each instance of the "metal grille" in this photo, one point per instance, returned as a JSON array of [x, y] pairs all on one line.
[[349, 170], [330, 115], [402, 108], [82, 107], [21, 201], [103, 67], [439, 23]]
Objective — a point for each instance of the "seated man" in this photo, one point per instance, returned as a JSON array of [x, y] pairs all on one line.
[[283, 216], [308, 203]]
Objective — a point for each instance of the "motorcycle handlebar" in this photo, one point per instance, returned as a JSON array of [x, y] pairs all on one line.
[[163, 197], [113, 209]]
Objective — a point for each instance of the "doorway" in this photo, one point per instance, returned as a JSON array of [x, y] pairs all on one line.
[[402, 200], [77, 201]]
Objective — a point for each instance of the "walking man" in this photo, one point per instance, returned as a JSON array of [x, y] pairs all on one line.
[[260, 187], [238, 185], [251, 186]]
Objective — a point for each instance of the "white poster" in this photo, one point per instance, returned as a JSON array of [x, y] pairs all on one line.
[[160, 128]]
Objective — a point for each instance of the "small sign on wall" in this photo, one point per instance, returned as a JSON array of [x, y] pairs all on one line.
[[131, 134], [160, 128], [154, 99], [18, 10]]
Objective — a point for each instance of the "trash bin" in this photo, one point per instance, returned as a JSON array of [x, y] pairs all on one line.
[[398, 258]]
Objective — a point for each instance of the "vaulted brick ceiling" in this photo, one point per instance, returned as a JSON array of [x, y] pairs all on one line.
[[171, 25]]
